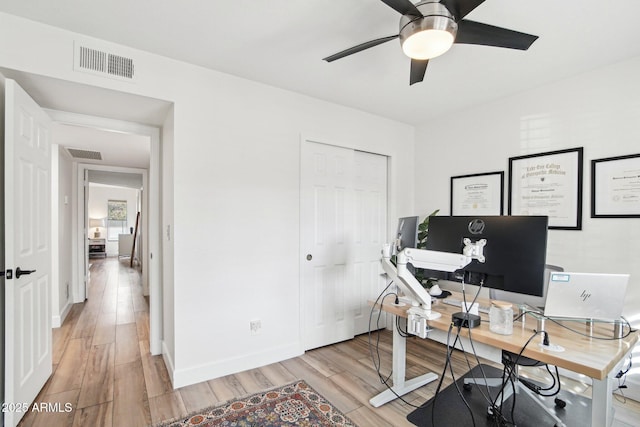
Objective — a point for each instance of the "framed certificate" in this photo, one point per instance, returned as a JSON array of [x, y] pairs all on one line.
[[478, 194], [548, 184], [615, 187]]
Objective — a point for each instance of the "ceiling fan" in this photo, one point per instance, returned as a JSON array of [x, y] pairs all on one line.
[[429, 28]]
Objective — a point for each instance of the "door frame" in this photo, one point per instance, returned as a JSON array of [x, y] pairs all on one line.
[[153, 253], [2, 248], [80, 292]]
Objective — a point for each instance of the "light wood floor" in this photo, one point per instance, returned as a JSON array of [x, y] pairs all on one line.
[[103, 368]]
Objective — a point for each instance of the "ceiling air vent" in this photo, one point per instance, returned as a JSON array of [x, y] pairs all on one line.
[[84, 154], [101, 62]]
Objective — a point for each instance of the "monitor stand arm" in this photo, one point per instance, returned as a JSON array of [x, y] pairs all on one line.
[[431, 260], [417, 315]]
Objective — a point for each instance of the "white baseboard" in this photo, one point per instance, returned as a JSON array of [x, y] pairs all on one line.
[[58, 320], [208, 371], [168, 361]]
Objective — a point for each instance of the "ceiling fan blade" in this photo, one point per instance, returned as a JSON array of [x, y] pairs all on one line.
[[418, 68], [461, 8], [359, 48], [405, 7], [471, 32]]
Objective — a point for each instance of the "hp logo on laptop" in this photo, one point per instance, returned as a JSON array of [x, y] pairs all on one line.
[[476, 226]]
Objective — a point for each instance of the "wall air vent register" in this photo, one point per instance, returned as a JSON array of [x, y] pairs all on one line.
[[84, 154], [101, 62]]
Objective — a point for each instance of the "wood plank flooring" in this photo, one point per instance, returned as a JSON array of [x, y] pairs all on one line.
[[103, 368]]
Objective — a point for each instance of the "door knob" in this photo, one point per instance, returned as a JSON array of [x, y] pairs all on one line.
[[309, 257], [20, 272]]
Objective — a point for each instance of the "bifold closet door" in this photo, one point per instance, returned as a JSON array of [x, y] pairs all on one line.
[[337, 234], [370, 232]]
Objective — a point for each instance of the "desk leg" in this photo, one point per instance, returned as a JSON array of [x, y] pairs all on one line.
[[601, 403], [400, 386]]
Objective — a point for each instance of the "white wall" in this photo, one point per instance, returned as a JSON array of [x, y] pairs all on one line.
[[63, 298], [599, 111], [168, 280], [235, 219], [99, 195], [236, 215]]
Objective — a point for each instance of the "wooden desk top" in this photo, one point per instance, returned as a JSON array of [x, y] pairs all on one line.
[[588, 356]]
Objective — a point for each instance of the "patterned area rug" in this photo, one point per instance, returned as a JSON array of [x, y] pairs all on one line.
[[295, 404]]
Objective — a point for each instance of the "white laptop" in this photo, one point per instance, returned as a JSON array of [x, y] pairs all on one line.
[[586, 295]]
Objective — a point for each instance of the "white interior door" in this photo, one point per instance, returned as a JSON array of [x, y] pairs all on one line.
[[28, 362], [343, 226], [370, 196]]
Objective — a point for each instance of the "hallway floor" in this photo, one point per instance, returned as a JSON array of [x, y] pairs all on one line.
[[100, 353]]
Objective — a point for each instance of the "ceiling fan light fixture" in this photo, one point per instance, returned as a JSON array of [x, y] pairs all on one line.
[[428, 37]]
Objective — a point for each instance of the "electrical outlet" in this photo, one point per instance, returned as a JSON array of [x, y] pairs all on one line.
[[255, 326]]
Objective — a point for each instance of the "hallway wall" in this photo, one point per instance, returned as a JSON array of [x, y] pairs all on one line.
[[61, 270]]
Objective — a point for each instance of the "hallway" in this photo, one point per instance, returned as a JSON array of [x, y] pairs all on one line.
[[100, 355]]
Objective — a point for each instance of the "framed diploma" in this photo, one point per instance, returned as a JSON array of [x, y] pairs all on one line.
[[478, 194], [548, 184], [615, 187]]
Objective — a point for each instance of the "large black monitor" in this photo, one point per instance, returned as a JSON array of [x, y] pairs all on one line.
[[515, 251]]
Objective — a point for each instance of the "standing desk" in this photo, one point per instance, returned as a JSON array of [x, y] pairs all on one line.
[[592, 357]]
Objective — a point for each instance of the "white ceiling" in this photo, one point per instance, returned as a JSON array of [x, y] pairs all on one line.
[[282, 43], [116, 149]]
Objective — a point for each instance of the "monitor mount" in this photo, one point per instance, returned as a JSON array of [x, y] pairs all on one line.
[[431, 260]]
